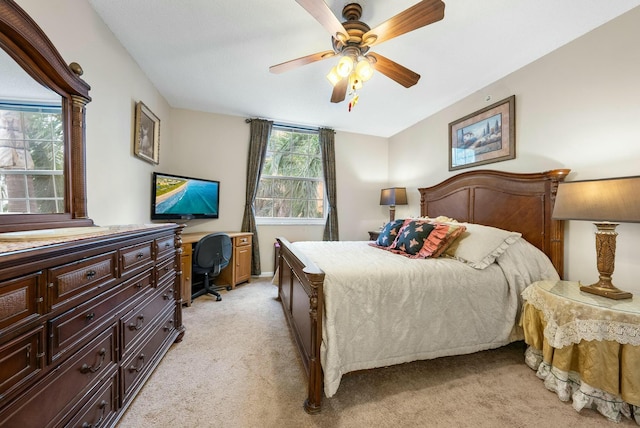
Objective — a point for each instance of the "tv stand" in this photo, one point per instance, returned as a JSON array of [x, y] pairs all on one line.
[[237, 272]]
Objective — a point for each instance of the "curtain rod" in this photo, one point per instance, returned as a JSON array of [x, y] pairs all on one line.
[[290, 126]]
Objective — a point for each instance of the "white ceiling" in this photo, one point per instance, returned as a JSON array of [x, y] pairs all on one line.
[[214, 55]]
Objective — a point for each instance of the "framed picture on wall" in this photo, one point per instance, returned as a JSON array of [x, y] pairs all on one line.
[[146, 143], [485, 136]]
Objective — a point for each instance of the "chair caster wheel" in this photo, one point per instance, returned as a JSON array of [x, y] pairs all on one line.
[[218, 298], [228, 287]]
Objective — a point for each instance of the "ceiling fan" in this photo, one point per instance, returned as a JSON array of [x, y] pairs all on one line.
[[352, 40]]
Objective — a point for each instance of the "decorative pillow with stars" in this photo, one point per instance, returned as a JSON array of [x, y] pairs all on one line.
[[412, 236], [389, 233]]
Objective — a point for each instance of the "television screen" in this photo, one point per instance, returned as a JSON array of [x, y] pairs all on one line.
[[177, 197]]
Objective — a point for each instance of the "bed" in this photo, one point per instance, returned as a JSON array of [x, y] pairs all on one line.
[[352, 306]]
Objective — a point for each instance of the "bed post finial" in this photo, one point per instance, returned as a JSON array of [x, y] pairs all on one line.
[[556, 250]]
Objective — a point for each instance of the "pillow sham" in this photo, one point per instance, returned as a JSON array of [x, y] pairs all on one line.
[[389, 233], [480, 245], [412, 236], [442, 237]]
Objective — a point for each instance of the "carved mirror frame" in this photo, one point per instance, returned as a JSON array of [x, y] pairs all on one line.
[[29, 46]]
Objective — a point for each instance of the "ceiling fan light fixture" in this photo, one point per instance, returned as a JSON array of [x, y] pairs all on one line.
[[333, 76], [345, 66], [355, 82], [364, 69]]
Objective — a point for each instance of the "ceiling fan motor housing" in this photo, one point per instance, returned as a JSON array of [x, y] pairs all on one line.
[[355, 29]]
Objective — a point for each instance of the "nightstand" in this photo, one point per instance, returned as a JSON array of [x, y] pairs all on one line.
[[581, 338], [373, 236]]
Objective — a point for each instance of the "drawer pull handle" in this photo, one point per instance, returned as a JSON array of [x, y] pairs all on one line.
[[90, 316], [166, 296], [138, 324], [137, 369], [167, 245], [166, 268], [91, 274], [102, 407], [139, 256], [92, 369], [139, 285], [169, 326]]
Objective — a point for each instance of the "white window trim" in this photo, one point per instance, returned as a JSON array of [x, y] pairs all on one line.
[[289, 221]]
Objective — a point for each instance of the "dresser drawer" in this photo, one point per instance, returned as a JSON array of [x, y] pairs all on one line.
[[165, 269], [70, 329], [49, 401], [101, 407], [21, 360], [21, 300], [165, 247], [136, 257], [240, 241], [134, 368], [137, 322], [77, 281]]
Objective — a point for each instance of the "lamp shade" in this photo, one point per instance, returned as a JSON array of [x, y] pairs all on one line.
[[608, 200], [393, 196]]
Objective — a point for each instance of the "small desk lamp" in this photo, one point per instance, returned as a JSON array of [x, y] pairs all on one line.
[[392, 197], [606, 202]]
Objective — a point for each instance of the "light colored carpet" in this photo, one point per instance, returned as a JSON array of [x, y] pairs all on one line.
[[237, 367]]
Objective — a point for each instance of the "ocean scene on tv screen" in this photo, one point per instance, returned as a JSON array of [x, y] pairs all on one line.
[[186, 196]]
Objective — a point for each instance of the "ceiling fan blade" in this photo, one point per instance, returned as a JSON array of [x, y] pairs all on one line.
[[394, 71], [417, 16], [321, 12], [295, 63], [340, 91]]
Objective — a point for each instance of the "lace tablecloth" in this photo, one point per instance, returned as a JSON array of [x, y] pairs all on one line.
[[573, 315], [584, 347]]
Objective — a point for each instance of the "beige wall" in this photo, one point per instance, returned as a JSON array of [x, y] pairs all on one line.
[[577, 108], [215, 146], [119, 184], [191, 143]]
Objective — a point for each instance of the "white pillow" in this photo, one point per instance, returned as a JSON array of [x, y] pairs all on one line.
[[479, 245]]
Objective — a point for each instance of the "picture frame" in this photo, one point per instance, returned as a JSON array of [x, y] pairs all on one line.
[[485, 136], [146, 142]]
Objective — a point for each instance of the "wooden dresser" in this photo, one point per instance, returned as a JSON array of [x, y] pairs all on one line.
[[83, 323]]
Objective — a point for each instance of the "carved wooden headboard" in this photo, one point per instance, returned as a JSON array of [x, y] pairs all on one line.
[[511, 201]]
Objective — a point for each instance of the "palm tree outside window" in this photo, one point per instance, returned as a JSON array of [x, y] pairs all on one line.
[[292, 184]]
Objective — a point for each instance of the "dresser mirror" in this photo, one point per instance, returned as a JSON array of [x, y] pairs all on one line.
[[42, 129]]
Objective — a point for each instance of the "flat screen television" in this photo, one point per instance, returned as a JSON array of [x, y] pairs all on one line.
[[176, 197]]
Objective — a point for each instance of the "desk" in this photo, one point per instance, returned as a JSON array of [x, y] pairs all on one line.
[[238, 270], [585, 347]]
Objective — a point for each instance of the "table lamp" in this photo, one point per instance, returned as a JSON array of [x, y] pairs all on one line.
[[606, 202], [392, 197]]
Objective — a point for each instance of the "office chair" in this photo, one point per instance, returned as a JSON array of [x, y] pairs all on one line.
[[211, 254]]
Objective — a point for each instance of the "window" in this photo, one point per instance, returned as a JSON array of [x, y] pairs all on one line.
[[291, 187], [31, 159]]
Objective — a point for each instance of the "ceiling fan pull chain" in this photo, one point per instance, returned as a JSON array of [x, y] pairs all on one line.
[[354, 100]]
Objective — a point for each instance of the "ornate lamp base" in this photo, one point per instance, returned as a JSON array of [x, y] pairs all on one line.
[[610, 292], [606, 253]]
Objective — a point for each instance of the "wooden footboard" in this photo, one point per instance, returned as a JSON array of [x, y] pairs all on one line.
[[300, 291]]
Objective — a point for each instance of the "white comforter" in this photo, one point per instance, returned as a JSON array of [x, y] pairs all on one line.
[[383, 308]]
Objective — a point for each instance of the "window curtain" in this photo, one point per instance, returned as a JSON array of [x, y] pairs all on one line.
[[259, 138], [327, 145]]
